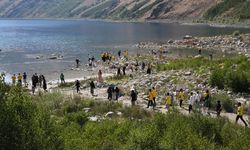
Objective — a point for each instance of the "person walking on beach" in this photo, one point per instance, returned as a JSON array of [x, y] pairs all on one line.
[[168, 101], [92, 87], [218, 108], [36, 79], [119, 54], [143, 66], [124, 70], [110, 92], [62, 78], [119, 71], [117, 93], [77, 84], [154, 94], [25, 79], [150, 98], [197, 98], [33, 81], [207, 102], [125, 54], [44, 84], [191, 102], [100, 79], [206, 105], [13, 79], [77, 63], [149, 70], [19, 79], [240, 111], [133, 97], [40, 80], [181, 97]]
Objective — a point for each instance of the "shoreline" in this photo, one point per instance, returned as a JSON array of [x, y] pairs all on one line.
[[164, 21]]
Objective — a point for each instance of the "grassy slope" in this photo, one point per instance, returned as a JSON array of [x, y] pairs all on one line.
[[230, 9]]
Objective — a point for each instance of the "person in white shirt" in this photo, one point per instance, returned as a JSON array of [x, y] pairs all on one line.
[[197, 100], [191, 101], [197, 97]]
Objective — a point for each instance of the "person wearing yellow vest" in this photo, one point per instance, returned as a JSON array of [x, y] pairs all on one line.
[[150, 98], [126, 54], [154, 94], [13, 79], [19, 79], [168, 101], [240, 111], [181, 97]]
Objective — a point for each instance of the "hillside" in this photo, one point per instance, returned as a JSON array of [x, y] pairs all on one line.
[[235, 10], [111, 9]]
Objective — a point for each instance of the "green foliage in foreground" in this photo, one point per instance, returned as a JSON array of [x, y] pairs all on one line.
[[23, 125], [28, 122]]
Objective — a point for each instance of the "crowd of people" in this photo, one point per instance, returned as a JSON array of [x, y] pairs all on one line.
[[196, 101], [21, 80], [106, 56]]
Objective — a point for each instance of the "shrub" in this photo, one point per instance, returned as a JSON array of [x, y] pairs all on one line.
[[180, 134], [23, 125], [135, 112], [226, 102], [234, 75], [239, 81], [80, 118], [217, 78]]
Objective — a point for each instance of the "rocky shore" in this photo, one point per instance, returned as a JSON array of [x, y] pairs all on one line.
[[237, 43]]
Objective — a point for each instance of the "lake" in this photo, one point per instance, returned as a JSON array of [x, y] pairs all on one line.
[[21, 41]]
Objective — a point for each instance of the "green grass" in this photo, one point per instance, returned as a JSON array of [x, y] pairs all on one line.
[[117, 79]]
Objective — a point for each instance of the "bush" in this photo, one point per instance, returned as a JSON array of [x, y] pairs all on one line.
[[80, 118], [234, 75], [23, 125], [226, 102], [239, 81], [217, 78], [135, 112]]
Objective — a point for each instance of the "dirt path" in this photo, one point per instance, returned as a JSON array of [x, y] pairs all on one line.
[[101, 95]]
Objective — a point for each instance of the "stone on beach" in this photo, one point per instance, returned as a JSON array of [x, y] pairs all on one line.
[[109, 114]]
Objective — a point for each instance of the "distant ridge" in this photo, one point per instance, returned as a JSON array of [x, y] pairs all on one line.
[[126, 9]]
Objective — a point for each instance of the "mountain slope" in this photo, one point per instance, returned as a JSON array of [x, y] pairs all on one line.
[[111, 9], [230, 9]]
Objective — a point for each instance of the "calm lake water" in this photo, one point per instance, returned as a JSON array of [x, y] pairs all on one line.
[[21, 41]]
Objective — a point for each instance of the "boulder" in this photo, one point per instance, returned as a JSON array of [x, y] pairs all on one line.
[[86, 109], [109, 114], [188, 73], [119, 113], [93, 118]]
